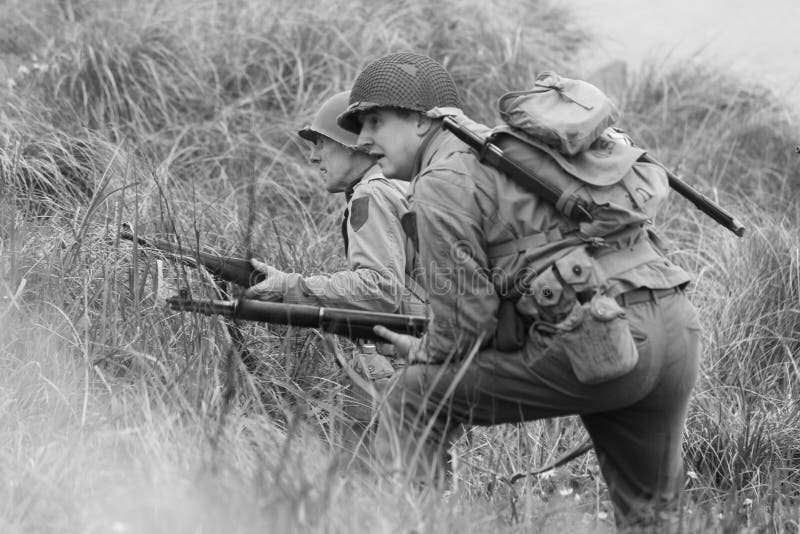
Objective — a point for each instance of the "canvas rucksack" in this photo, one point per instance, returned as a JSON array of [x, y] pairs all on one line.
[[558, 141]]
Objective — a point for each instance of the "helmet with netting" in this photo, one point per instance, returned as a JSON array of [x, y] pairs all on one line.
[[402, 80]]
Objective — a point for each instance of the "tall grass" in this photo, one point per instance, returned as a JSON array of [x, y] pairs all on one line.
[[180, 118]]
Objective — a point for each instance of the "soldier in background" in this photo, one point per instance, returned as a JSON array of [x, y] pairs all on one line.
[[475, 228], [378, 256]]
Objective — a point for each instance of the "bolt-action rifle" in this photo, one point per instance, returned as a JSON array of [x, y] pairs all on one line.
[[494, 156], [236, 270], [354, 324]]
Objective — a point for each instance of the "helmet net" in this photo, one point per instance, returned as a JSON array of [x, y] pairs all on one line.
[[406, 80]]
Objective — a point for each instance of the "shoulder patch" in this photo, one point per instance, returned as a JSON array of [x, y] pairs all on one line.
[[359, 212], [408, 221]]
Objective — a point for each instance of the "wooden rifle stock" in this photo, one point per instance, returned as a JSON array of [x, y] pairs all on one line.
[[236, 270]]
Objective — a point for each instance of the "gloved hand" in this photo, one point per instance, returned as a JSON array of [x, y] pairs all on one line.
[[273, 287]]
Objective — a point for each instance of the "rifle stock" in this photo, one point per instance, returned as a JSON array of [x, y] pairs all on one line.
[[354, 324], [236, 270]]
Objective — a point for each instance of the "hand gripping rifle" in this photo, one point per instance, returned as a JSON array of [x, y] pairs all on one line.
[[494, 156], [223, 269], [235, 270], [354, 324]]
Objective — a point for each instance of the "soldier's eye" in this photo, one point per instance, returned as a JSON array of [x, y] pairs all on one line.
[[371, 121]]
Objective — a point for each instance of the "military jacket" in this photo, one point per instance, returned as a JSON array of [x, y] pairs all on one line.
[[477, 230], [379, 257]]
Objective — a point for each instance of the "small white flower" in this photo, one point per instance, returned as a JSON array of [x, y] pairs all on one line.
[[747, 502], [565, 491], [602, 515], [692, 475]]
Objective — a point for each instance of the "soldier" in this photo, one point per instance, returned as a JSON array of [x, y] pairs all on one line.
[[375, 246], [475, 230]]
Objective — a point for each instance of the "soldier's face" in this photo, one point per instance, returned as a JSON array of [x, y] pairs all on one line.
[[337, 164], [394, 138]]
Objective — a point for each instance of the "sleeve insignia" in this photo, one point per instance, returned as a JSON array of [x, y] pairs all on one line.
[[359, 212], [409, 223]]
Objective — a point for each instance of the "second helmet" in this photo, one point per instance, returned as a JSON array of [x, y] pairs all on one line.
[[324, 122]]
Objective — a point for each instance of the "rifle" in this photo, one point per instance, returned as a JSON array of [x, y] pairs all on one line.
[[236, 270], [495, 157], [701, 202], [354, 324]]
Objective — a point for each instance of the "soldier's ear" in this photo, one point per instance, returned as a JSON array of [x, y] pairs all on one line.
[[423, 124]]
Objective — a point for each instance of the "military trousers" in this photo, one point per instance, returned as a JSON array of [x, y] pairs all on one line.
[[636, 421], [365, 377]]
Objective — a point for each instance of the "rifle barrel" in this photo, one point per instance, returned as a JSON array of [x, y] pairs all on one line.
[[355, 324], [702, 202]]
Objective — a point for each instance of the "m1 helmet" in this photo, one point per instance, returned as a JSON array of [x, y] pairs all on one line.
[[324, 122], [401, 80]]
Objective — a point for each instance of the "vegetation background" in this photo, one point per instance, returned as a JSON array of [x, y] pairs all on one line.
[[179, 117]]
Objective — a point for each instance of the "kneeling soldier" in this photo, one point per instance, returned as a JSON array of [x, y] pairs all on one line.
[[476, 230], [378, 256]]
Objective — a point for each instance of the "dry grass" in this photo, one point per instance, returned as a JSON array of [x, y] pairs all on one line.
[[179, 118]]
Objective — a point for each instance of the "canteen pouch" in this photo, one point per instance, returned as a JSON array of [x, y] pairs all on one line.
[[597, 339]]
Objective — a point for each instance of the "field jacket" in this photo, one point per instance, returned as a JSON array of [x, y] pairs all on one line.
[[476, 230], [379, 257]]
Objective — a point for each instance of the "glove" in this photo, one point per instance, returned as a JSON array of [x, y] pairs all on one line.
[[273, 287]]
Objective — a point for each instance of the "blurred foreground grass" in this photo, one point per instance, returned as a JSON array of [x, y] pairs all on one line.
[[179, 117]]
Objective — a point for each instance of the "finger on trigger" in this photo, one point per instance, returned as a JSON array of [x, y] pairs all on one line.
[[384, 332]]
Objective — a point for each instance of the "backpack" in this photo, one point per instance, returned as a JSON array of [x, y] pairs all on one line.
[[558, 141]]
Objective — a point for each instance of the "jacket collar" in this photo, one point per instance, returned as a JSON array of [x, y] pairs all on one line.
[[435, 141], [432, 141]]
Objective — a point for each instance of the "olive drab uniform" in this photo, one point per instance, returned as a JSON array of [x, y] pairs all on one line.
[[380, 279], [476, 231], [378, 256]]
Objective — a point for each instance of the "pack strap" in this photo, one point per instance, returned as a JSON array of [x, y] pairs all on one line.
[[538, 239], [528, 242]]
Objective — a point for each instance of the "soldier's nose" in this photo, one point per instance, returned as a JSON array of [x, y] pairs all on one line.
[[364, 141]]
